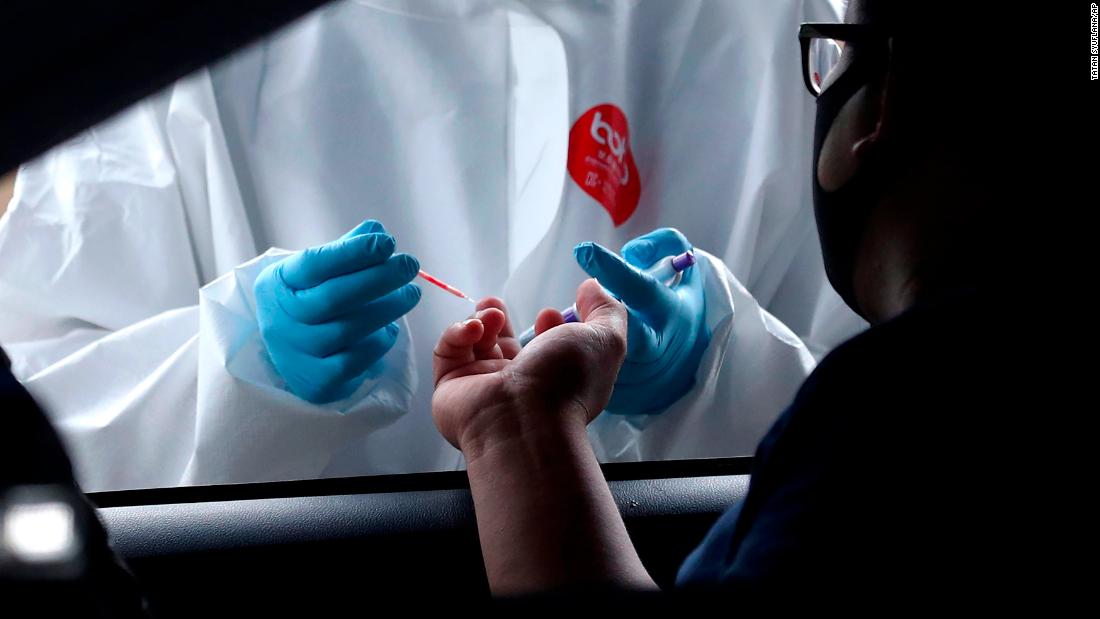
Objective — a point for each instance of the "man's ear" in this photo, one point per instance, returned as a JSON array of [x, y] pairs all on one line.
[[885, 110]]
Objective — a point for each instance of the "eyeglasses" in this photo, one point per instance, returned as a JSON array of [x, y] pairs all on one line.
[[824, 45]]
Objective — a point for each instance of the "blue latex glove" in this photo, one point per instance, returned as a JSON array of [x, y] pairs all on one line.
[[666, 330], [327, 313]]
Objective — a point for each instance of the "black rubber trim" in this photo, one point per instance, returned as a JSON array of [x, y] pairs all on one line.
[[448, 480], [265, 555], [173, 529]]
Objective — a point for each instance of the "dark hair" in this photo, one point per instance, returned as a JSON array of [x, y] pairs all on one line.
[[950, 89]]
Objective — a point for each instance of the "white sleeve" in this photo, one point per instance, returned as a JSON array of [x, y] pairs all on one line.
[[249, 427], [150, 381], [98, 304], [747, 376]]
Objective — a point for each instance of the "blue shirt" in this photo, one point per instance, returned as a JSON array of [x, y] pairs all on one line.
[[890, 465]]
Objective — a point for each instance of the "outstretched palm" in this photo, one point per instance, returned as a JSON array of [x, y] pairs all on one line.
[[481, 379]]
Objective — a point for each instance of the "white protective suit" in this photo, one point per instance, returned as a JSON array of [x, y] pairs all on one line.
[[127, 255]]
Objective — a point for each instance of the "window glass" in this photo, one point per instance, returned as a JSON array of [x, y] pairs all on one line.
[[155, 297]]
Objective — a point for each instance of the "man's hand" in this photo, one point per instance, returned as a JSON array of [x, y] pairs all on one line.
[[486, 390], [545, 515]]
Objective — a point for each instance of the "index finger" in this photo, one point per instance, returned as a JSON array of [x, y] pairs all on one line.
[[456, 347], [316, 265], [638, 290]]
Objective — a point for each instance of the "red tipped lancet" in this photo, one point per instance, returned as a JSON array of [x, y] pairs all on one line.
[[444, 285]]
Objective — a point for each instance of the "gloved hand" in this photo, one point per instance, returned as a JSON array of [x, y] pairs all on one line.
[[327, 313], [666, 327]]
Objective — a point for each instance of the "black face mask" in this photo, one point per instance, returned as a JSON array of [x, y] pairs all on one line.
[[842, 214]]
